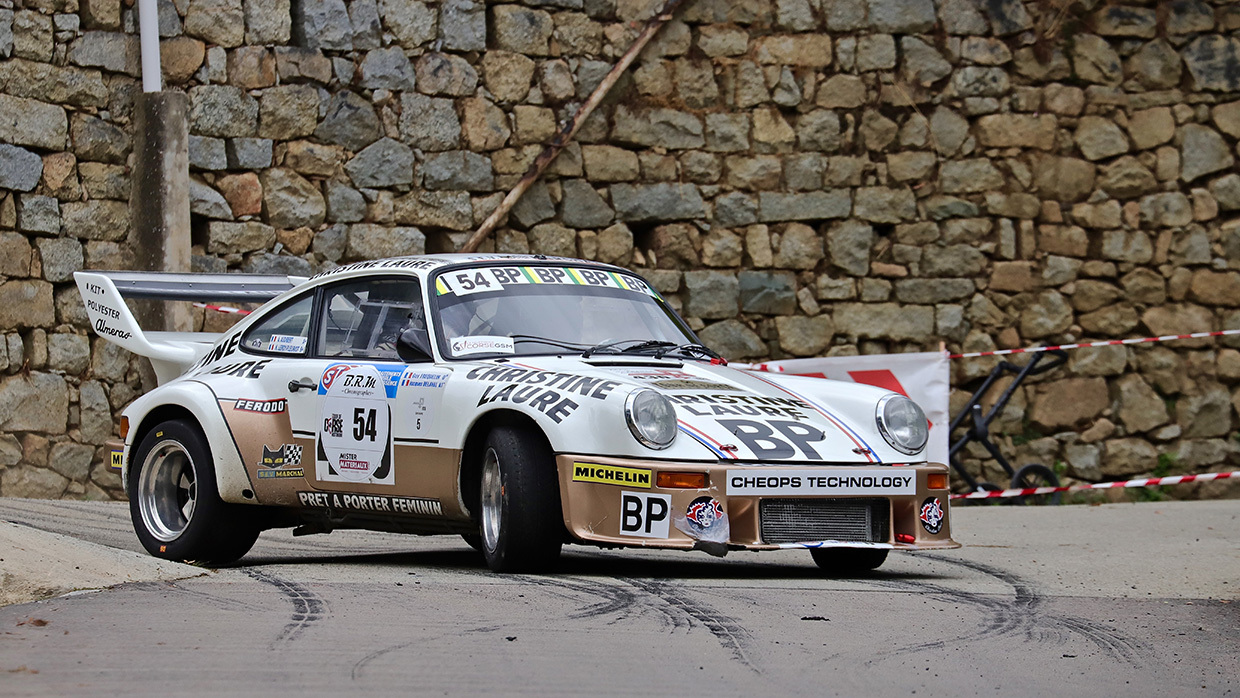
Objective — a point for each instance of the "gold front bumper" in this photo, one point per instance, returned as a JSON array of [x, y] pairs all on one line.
[[611, 501]]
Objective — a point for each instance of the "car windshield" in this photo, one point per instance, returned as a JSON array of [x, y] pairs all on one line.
[[506, 310]]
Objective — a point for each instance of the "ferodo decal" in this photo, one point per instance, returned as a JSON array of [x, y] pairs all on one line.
[[421, 391], [282, 462], [355, 438], [849, 481], [762, 439], [262, 406], [371, 502], [644, 515], [546, 391], [118, 460], [611, 475], [932, 515]]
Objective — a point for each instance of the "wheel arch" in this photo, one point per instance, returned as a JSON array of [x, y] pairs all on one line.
[[470, 471], [197, 404]]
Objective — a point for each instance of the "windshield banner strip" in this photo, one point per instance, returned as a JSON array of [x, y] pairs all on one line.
[[465, 282]]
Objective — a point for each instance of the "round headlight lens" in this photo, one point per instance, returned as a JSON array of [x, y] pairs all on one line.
[[902, 424], [651, 418]]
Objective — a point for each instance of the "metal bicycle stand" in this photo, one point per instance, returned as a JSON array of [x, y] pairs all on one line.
[[978, 429]]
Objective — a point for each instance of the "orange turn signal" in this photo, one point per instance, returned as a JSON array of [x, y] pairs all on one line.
[[682, 481], [936, 481], [124, 427]]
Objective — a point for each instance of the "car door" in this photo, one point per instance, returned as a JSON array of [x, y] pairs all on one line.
[[272, 416], [375, 431]]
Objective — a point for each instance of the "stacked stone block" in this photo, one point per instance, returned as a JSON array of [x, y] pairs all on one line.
[[799, 177]]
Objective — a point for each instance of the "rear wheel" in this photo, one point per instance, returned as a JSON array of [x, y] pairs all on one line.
[[175, 504], [522, 525], [847, 562]]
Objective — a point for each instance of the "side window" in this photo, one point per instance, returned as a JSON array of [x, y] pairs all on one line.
[[364, 318], [286, 331]]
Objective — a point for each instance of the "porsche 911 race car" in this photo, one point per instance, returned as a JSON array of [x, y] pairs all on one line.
[[522, 402]]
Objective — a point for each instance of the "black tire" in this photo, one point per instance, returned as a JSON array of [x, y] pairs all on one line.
[[522, 527], [848, 562], [1035, 475], [171, 467], [473, 539]]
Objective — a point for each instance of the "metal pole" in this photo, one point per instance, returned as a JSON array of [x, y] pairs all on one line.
[[148, 26]]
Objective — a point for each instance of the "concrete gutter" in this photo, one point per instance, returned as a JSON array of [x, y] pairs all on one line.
[[35, 565]]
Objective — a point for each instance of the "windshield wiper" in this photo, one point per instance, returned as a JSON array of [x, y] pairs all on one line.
[[690, 350], [519, 338], [611, 347]]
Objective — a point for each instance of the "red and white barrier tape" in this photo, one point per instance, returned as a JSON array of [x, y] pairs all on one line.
[[1143, 482], [222, 308], [1107, 343]]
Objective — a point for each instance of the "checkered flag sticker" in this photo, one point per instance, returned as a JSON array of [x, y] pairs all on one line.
[[292, 454]]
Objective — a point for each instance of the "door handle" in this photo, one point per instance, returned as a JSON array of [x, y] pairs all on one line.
[[294, 386]]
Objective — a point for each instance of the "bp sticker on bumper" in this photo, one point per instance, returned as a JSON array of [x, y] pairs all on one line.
[[355, 428]]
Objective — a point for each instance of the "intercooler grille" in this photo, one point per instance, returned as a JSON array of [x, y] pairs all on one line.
[[808, 520]]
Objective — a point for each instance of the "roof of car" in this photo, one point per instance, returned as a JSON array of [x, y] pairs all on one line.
[[433, 262]]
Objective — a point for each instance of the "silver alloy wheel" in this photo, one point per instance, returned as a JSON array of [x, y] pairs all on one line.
[[492, 500], [167, 491]]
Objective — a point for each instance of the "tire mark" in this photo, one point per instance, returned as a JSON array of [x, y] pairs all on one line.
[[1116, 645], [1021, 615], [308, 607], [617, 601], [730, 634]]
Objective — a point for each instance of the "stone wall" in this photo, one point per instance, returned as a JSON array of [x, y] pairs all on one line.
[[800, 177]]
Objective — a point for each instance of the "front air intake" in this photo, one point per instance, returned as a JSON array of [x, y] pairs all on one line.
[[811, 520]]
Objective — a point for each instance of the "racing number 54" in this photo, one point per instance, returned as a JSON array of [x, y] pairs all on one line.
[[363, 423]]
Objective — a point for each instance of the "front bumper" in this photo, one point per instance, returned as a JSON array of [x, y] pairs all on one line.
[[618, 501]]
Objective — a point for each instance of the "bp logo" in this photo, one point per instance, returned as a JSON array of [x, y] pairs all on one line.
[[932, 515]]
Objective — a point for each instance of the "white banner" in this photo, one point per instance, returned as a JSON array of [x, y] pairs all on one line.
[[822, 483], [925, 377]]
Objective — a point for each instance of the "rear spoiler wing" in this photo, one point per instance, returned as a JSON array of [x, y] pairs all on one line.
[[171, 353]]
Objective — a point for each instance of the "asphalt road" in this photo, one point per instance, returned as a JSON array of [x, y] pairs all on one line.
[[1132, 599]]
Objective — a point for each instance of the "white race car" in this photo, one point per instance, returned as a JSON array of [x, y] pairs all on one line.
[[522, 402]]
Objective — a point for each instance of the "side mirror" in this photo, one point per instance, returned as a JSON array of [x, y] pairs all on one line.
[[414, 346]]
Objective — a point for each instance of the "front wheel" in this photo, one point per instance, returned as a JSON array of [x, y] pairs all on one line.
[[175, 504], [848, 562], [522, 525]]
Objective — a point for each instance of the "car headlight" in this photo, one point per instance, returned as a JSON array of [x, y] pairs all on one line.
[[902, 424], [651, 418]]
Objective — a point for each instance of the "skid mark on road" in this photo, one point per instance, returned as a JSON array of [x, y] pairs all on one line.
[[623, 598], [1021, 615], [731, 635], [308, 607]]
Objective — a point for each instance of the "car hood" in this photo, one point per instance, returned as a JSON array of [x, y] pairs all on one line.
[[739, 415]]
